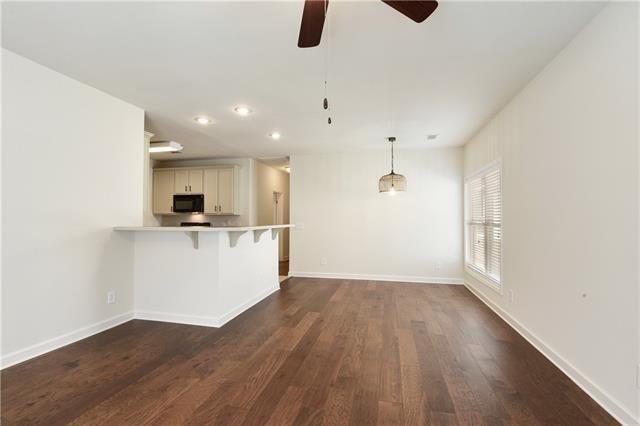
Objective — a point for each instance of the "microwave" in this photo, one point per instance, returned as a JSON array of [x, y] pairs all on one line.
[[191, 203]]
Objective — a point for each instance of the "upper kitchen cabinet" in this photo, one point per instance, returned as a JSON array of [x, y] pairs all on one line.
[[163, 190], [196, 181], [188, 181], [219, 184], [226, 189], [220, 191]]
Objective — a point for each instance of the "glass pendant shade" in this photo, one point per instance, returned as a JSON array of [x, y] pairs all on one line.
[[392, 182]]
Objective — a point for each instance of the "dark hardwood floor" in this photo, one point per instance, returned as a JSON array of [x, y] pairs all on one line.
[[317, 352]]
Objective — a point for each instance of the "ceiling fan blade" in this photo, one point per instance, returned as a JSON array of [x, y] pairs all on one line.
[[312, 22], [415, 10]]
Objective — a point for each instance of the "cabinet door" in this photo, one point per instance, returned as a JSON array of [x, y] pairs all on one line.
[[210, 191], [195, 181], [225, 191], [163, 183], [182, 182]]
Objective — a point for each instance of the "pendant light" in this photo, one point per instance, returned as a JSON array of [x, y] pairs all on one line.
[[392, 182]]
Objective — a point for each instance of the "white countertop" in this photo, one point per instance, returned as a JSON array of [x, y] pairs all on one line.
[[201, 228]]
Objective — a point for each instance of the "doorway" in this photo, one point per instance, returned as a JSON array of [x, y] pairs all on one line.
[[280, 217]]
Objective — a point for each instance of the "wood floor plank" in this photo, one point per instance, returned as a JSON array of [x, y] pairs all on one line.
[[267, 401], [318, 352], [437, 397], [365, 403], [337, 408], [287, 408]]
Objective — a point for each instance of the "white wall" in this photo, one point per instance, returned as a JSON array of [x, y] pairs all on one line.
[[268, 181], [247, 216], [412, 236], [72, 168], [569, 149], [148, 218]]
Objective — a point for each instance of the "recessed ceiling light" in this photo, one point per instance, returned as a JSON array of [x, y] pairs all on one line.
[[275, 136], [165, 146], [203, 120], [242, 110]]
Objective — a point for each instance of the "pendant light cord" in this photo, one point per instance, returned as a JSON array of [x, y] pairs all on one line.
[[391, 156], [326, 50], [327, 106]]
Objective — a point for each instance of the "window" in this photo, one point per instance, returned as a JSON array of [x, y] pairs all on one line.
[[483, 205]]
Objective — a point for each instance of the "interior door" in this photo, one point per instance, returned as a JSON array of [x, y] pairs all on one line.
[[210, 182], [225, 191], [163, 184], [195, 181]]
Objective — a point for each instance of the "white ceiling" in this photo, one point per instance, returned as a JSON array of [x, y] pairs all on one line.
[[387, 74]]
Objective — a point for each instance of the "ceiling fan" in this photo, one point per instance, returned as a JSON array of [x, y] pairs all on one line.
[[315, 11]]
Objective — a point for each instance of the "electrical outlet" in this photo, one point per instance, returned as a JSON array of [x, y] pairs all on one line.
[[511, 296], [323, 261], [438, 266], [111, 297]]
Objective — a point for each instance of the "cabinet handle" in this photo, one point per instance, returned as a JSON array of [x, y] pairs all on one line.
[[171, 208], [189, 188], [185, 188]]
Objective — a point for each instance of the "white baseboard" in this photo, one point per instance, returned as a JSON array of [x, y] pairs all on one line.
[[610, 404], [398, 278], [63, 340], [177, 318], [82, 333], [223, 319], [205, 321]]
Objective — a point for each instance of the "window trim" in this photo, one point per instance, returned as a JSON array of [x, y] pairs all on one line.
[[486, 279]]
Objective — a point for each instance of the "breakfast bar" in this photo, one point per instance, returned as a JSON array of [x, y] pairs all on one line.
[[203, 275]]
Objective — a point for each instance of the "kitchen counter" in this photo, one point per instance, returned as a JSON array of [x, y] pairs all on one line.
[[193, 231], [225, 271], [201, 228]]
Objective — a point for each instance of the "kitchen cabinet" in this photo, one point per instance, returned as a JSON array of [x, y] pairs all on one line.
[[225, 191], [211, 191], [188, 182], [181, 182], [220, 191], [163, 190], [195, 181], [219, 184]]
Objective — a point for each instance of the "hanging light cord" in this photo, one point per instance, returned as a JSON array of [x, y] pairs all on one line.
[[392, 140], [391, 156], [326, 51], [326, 61]]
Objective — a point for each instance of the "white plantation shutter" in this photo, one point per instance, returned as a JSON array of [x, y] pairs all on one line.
[[484, 224]]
